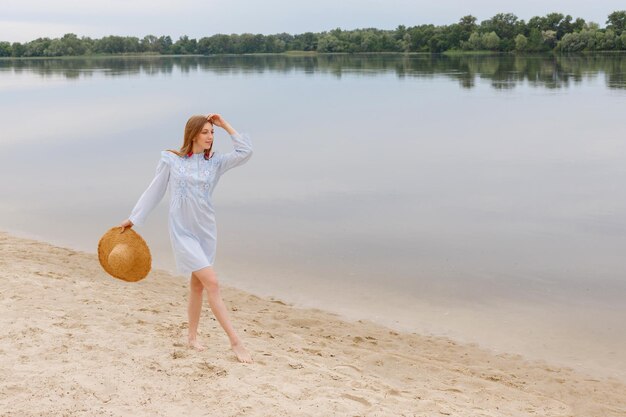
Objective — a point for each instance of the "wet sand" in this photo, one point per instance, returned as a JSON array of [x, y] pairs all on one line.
[[78, 342]]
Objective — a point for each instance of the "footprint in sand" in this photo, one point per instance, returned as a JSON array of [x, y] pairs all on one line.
[[151, 310], [313, 351], [177, 354], [357, 399], [349, 370], [359, 339], [305, 323], [205, 366]]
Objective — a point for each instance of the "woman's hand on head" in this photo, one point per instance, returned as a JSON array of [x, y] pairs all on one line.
[[216, 119], [125, 224]]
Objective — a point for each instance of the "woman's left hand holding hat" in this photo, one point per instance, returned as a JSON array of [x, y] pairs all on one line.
[[124, 254], [125, 224]]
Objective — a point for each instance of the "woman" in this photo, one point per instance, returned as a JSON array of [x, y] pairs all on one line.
[[193, 173]]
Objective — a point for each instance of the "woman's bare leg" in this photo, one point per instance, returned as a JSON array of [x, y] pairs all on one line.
[[193, 311], [209, 279]]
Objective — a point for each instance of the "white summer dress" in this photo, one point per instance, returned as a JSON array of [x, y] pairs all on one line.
[[192, 227]]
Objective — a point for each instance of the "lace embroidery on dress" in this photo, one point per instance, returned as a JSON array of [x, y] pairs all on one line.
[[180, 172], [206, 175]]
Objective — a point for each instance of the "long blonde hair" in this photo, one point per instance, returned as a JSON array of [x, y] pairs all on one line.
[[194, 125]]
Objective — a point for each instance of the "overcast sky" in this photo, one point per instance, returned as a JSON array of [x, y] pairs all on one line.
[[24, 20]]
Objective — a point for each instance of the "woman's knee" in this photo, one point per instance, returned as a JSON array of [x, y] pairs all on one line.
[[212, 285], [196, 285], [209, 279]]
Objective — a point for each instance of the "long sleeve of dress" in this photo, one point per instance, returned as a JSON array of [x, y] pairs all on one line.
[[153, 194], [239, 155]]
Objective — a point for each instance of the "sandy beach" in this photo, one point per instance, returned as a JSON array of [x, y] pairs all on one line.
[[75, 341]]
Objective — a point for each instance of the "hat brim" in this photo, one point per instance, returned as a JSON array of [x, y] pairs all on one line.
[[142, 260]]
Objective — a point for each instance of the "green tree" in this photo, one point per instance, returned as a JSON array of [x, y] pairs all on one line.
[[553, 21], [216, 44], [330, 43], [491, 41], [131, 44], [535, 41], [549, 38], [55, 48], [274, 44], [388, 42], [521, 42], [248, 43], [110, 45], [438, 41], [306, 41], [570, 43], [610, 41], [617, 22], [37, 47], [452, 35], [506, 26], [149, 43], [185, 46], [589, 40], [88, 44], [284, 39], [404, 44], [71, 45], [17, 49], [475, 42], [622, 39], [579, 25], [399, 33], [5, 49], [420, 37], [467, 25], [164, 44], [370, 42]]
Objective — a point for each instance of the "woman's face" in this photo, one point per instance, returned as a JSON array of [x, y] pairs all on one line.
[[205, 137]]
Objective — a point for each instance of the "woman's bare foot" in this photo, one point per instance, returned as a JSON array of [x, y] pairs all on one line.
[[242, 353], [193, 343]]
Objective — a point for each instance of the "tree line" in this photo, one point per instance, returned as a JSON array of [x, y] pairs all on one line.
[[504, 32]]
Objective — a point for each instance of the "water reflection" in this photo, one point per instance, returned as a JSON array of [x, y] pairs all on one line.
[[416, 190], [504, 71]]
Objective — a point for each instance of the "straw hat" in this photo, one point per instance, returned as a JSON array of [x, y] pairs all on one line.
[[124, 255]]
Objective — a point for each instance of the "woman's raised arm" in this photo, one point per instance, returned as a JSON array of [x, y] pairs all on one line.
[[239, 155], [241, 142]]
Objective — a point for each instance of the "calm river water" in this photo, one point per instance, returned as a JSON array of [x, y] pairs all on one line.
[[476, 197]]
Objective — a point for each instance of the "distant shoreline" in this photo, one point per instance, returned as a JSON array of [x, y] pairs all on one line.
[[308, 53], [504, 32]]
